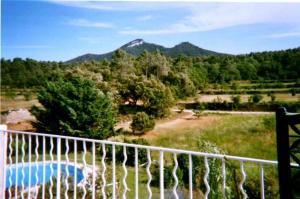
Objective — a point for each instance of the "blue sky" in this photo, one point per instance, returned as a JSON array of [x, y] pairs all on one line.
[[61, 30]]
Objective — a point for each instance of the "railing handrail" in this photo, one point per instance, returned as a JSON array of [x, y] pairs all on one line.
[[156, 148]]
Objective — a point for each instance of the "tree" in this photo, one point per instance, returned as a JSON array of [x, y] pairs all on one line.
[[198, 74], [155, 97], [153, 64], [141, 123], [180, 84], [122, 63], [74, 106]]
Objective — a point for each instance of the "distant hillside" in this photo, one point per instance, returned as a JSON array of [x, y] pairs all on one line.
[[137, 46]]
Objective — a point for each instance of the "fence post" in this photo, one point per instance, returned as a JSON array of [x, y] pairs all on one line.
[[3, 142], [283, 153]]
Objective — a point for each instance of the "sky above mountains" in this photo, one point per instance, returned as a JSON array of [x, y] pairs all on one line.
[[61, 30]]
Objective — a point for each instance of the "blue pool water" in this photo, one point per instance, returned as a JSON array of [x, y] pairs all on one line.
[[15, 174]]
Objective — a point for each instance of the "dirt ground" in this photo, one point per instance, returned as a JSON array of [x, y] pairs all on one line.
[[181, 123], [21, 126]]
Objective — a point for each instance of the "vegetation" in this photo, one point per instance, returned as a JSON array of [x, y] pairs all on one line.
[[156, 98], [151, 81], [141, 123], [74, 106], [236, 101], [277, 65], [256, 98], [242, 135], [215, 176], [80, 99], [28, 73]]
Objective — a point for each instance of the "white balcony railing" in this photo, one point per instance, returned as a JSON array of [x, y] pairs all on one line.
[[51, 166]]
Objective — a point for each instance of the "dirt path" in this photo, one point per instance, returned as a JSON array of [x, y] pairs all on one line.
[[187, 120], [181, 123]]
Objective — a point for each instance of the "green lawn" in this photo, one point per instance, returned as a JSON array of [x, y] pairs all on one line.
[[240, 135]]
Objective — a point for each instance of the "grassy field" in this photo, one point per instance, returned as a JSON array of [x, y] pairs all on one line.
[[247, 136], [242, 135]]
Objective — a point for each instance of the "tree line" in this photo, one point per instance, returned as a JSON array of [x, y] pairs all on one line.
[[182, 74]]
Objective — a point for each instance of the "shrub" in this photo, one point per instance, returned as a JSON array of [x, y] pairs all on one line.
[[197, 113], [235, 86], [181, 108], [11, 94], [74, 106], [256, 98], [141, 123], [198, 170], [236, 100], [168, 176], [215, 175], [130, 151], [293, 91], [273, 97], [27, 95]]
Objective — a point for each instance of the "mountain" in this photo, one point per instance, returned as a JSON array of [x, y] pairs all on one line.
[[137, 46]]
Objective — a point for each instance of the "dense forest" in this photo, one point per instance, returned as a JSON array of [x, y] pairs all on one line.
[[182, 74]]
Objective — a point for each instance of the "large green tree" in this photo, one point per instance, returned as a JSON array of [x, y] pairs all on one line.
[[74, 106], [155, 97]]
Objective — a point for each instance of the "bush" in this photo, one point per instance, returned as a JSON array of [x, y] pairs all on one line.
[[197, 113], [11, 94], [169, 180], [215, 175], [198, 170], [130, 151], [235, 86], [141, 123], [293, 91], [236, 100], [27, 95], [74, 106], [256, 98], [273, 97], [181, 108]]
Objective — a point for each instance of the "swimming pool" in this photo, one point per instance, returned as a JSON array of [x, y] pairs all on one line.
[[14, 174]]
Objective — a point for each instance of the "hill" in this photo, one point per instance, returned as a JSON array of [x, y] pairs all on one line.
[[137, 46]]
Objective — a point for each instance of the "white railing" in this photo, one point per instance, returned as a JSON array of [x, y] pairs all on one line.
[[53, 166]]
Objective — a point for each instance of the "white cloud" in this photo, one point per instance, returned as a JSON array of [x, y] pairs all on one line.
[[145, 18], [206, 17], [88, 4], [90, 24], [117, 5], [286, 34], [27, 46]]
